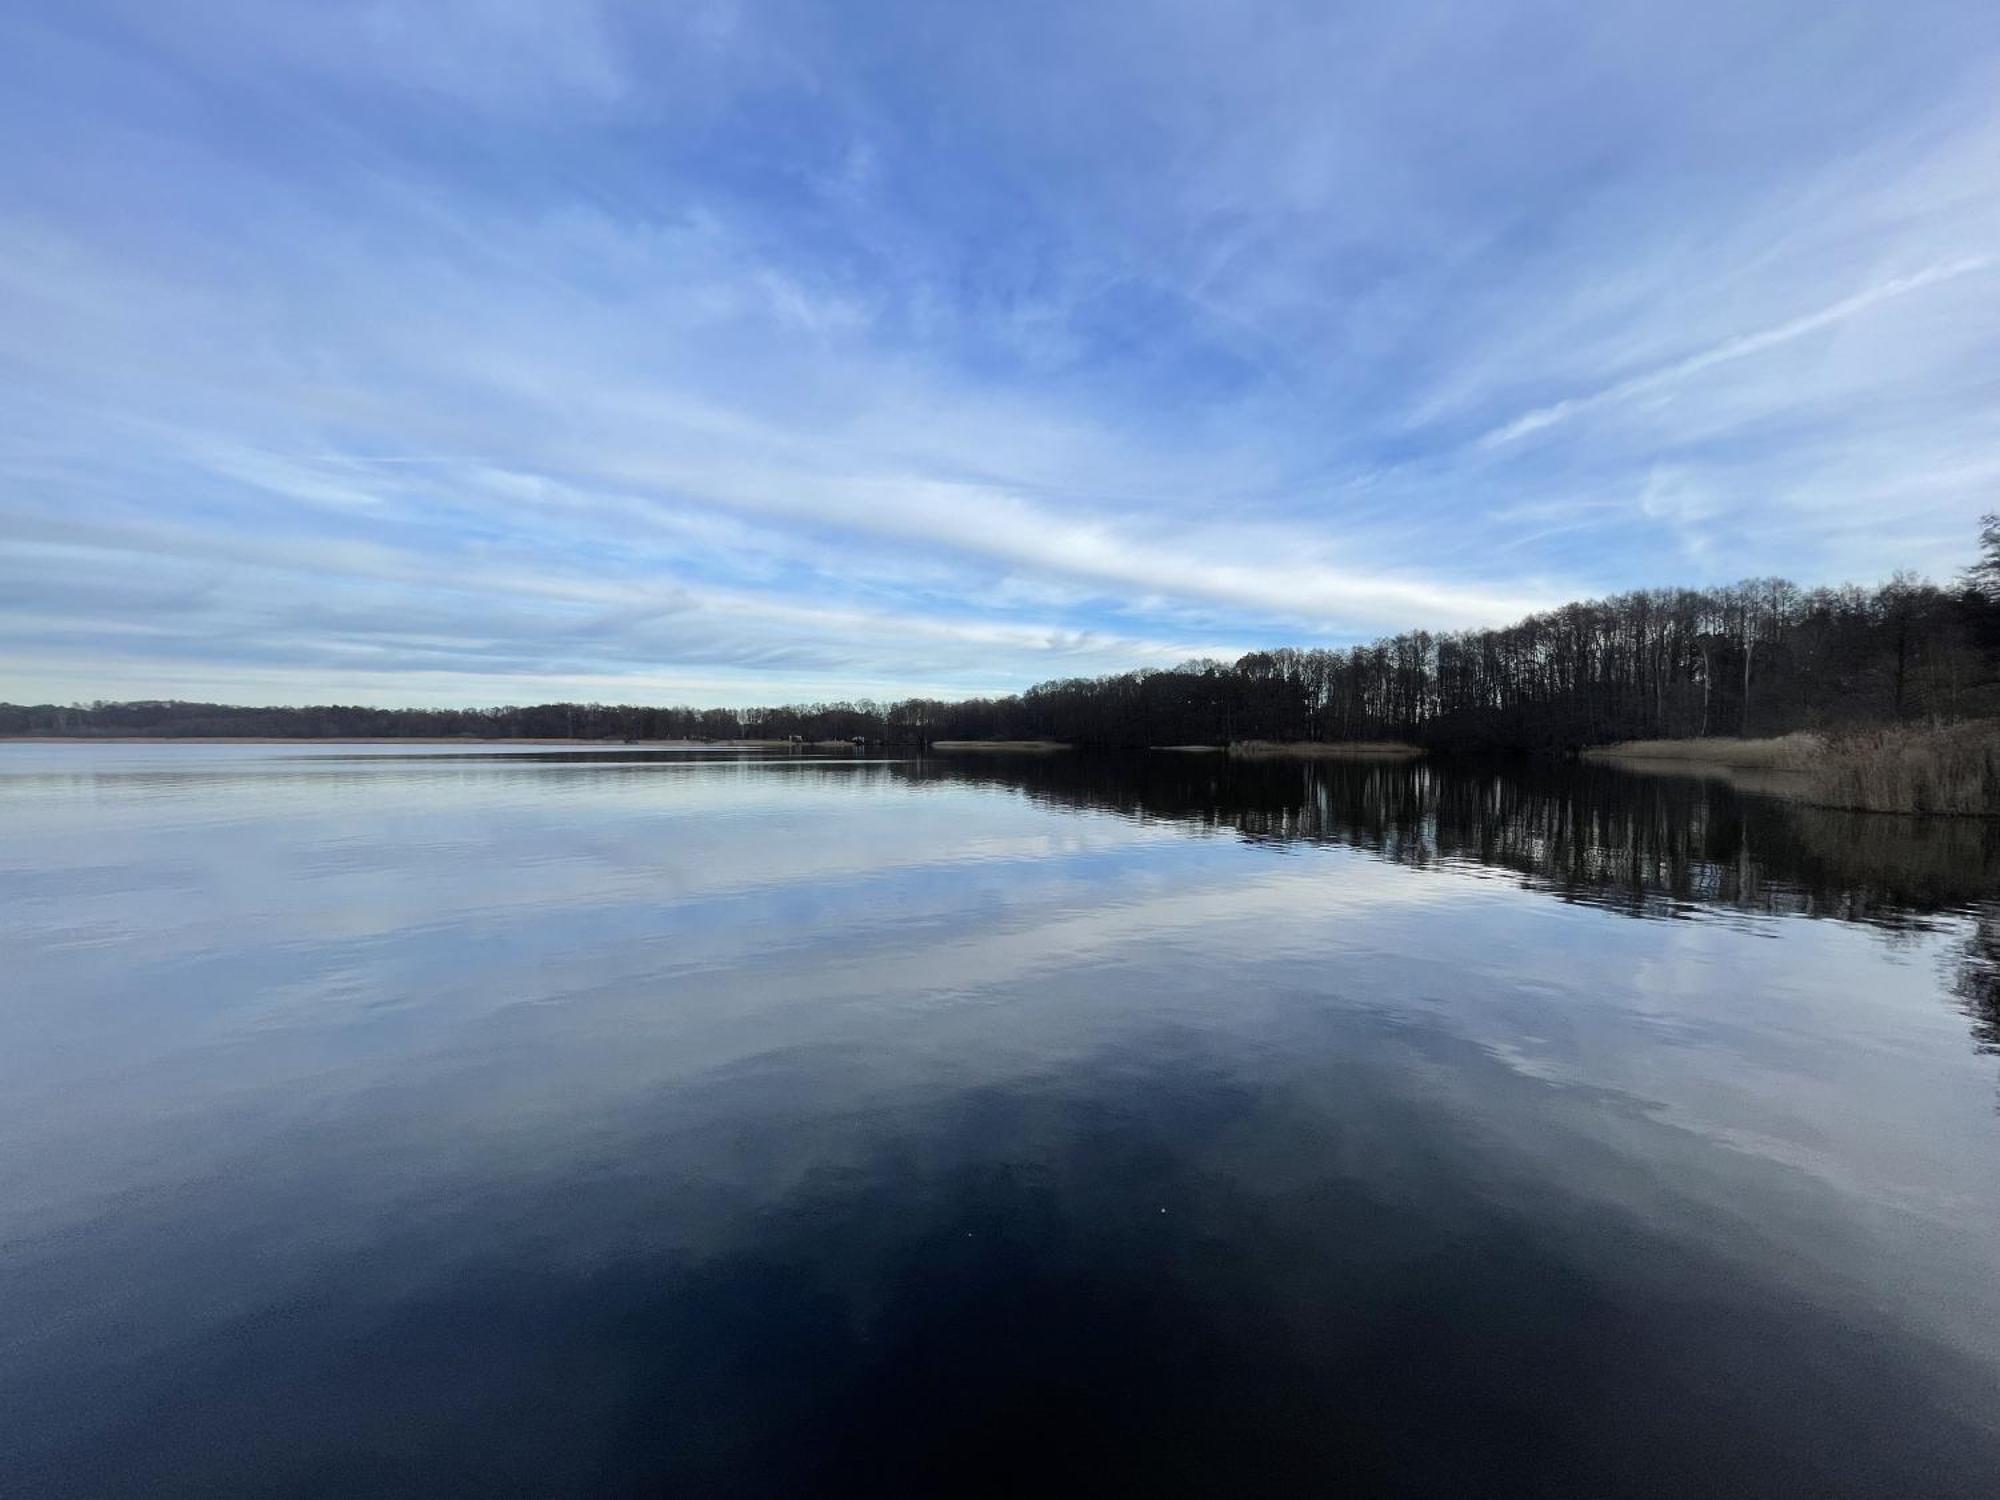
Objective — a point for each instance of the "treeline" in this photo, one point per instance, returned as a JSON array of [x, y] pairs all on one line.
[[1761, 657]]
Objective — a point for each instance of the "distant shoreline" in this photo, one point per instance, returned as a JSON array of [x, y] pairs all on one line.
[[1325, 749], [409, 739], [952, 745]]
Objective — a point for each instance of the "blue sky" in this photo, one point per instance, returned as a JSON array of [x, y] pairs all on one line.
[[473, 351]]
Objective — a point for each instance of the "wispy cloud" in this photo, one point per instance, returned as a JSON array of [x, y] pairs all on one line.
[[1743, 346], [507, 348]]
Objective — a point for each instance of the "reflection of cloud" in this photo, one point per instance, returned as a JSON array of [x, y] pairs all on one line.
[[791, 1254], [671, 1011]]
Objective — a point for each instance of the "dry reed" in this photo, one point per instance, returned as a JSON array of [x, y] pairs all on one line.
[[1790, 752], [1325, 749], [1912, 769]]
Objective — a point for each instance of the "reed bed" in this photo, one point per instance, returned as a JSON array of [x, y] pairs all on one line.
[[1789, 752], [1325, 749], [1012, 745], [1911, 769]]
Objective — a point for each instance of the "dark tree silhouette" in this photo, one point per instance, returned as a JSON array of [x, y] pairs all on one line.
[[1759, 657]]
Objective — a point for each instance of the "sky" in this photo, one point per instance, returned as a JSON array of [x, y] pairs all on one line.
[[487, 351]]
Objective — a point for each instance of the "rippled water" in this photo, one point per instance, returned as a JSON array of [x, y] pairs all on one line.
[[381, 1120]]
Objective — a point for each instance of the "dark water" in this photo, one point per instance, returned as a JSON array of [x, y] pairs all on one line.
[[552, 1124]]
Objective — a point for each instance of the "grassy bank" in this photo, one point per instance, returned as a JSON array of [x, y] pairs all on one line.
[[1325, 749], [1953, 769], [998, 745], [1790, 752], [1950, 769]]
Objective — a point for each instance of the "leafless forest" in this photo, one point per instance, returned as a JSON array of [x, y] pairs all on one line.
[[1762, 657]]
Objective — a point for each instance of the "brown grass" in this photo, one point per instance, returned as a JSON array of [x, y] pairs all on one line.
[[1935, 769], [1326, 749], [1790, 752], [998, 745]]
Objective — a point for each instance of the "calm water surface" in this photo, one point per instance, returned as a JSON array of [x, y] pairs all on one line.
[[382, 1120]]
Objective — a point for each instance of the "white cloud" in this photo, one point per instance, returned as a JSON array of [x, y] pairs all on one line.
[[606, 344], [1743, 346]]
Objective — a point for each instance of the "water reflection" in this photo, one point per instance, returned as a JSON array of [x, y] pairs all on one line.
[[1647, 845], [619, 1123], [1654, 845], [1977, 977], [1651, 845]]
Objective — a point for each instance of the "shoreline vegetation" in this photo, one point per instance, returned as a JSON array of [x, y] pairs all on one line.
[[1324, 750], [1019, 746], [1785, 752], [1948, 770]]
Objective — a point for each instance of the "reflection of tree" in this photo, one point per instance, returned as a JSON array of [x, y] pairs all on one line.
[[1977, 982], [1653, 846], [1648, 846]]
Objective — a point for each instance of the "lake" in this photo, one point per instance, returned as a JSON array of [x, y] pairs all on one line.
[[475, 1120]]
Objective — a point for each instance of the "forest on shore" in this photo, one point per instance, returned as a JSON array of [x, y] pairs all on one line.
[[1762, 657]]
